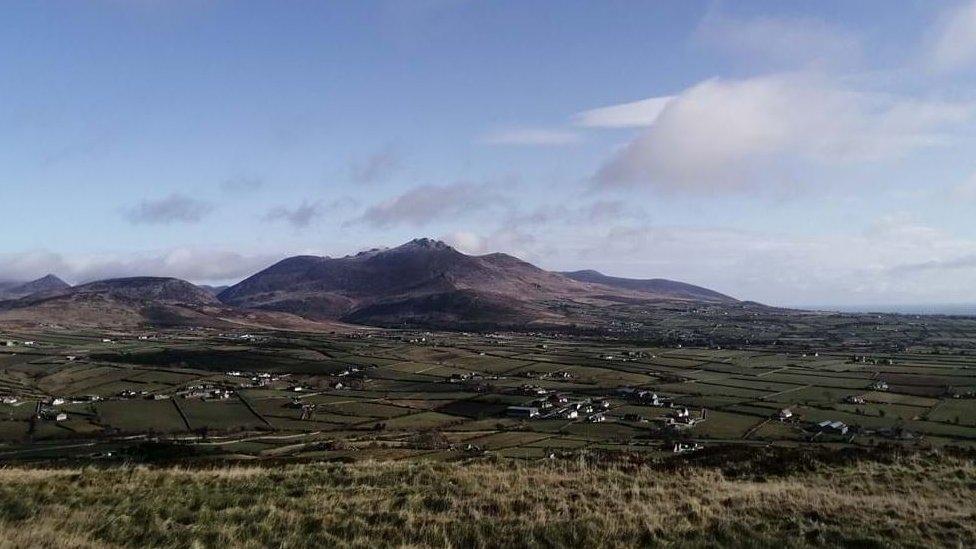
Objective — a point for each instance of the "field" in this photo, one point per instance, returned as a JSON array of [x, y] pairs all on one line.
[[730, 502], [196, 437], [386, 394]]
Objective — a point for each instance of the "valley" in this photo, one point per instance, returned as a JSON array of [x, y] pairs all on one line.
[[203, 393]]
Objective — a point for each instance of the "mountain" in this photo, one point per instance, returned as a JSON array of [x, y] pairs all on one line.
[[426, 282], [44, 285], [656, 286], [422, 281]]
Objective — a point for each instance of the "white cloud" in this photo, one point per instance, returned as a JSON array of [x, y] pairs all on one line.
[[954, 44], [531, 136], [727, 134], [194, 264], [521, 244], [636, 114]]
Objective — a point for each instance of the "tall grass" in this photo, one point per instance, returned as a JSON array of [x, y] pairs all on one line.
[[911, 501]]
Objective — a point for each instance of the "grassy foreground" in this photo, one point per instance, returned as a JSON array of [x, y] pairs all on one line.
[[909, 501]]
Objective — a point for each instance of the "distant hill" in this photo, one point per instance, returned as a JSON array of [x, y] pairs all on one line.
[[139, 301], [656, 286], [427, 282], [44, 285]]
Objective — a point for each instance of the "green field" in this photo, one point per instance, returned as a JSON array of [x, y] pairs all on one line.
[[383, 394]]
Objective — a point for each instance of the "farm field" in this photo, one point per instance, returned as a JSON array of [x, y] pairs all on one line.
[[446, 396]]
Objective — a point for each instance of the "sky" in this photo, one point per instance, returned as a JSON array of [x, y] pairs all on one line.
[[793, 153]]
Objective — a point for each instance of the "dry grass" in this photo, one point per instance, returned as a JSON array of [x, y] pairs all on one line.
[[913, 501]]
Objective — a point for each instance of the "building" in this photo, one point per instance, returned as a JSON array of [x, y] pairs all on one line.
[[785, 414], [834, 427], [525, 412], [681, 447]]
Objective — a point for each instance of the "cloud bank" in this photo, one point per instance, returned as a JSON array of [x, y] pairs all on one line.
[[193, 264]]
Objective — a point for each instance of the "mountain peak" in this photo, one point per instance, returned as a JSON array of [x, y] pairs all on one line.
[[44, 285], [427, 244]]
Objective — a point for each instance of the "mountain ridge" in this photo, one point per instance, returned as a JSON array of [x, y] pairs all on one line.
[[653, 285], [421, 283]]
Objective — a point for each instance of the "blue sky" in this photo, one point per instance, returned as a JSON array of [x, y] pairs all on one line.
[[792, 153]]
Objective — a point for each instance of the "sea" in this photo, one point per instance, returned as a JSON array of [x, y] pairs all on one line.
[[914, 309]]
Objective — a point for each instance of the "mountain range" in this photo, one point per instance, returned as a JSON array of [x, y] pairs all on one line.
[[423, 283]]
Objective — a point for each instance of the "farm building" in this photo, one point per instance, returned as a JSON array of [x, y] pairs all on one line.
[[828, 426]]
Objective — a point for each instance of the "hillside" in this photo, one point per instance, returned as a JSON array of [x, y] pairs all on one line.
[[910, 502], [45, 285], [427, 282], [656, 286]]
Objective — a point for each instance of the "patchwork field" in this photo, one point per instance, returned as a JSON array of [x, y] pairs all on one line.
[[394, 394]]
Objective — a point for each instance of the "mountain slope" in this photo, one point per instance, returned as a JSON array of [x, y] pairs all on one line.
[[658, 286], [44, 285], [425, 282]]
